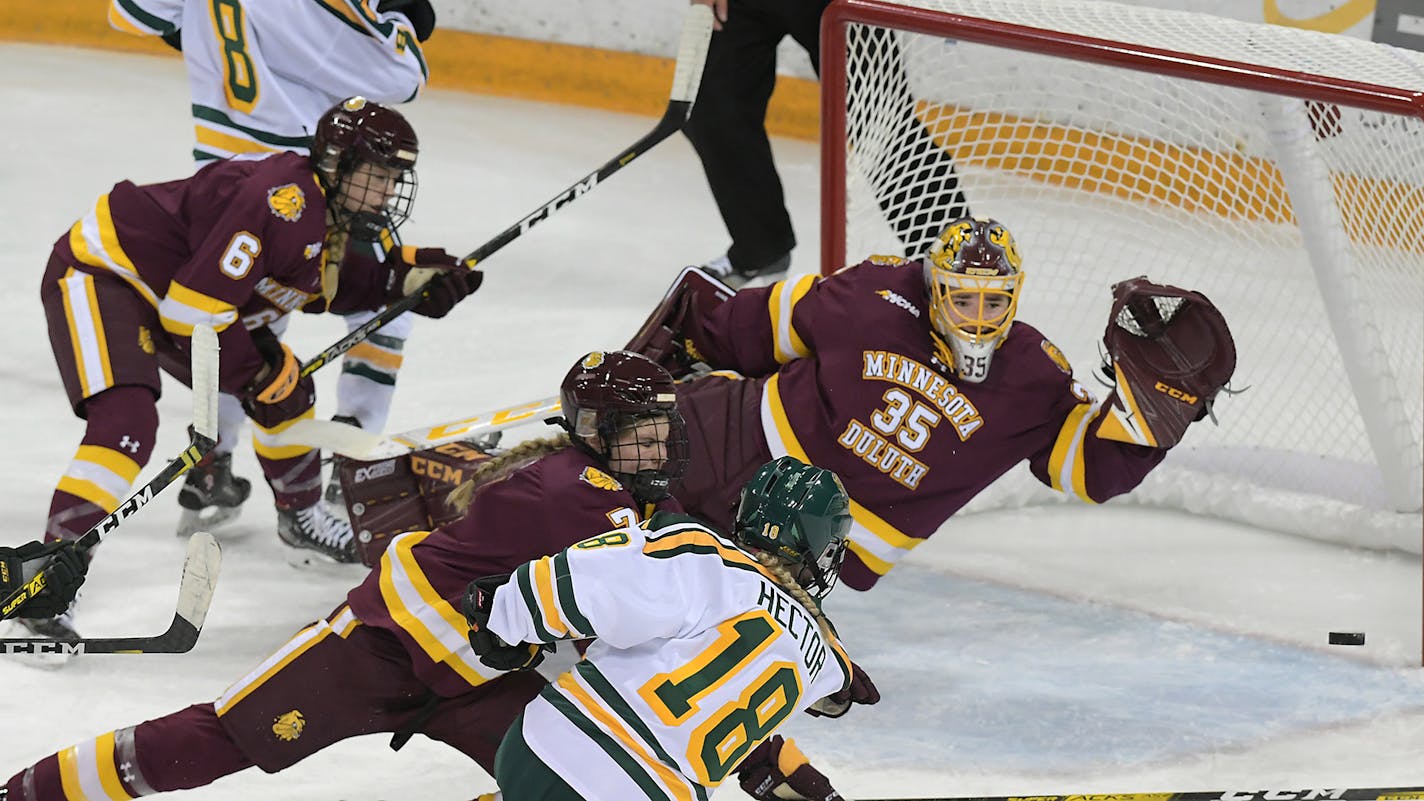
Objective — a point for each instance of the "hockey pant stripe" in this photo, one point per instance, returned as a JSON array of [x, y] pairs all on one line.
[[86, 333], [414, 604], [340, 624]]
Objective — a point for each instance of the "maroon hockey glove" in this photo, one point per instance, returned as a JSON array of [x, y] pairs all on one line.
[[1171, 352], [861, 690], [64, 565], [278, 392], [776, 770], [449, 280], [493, 651]]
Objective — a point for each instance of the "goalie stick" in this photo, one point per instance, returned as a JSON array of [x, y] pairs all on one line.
[[205, 436], [1322, 794], [195, 595], [354, 443], [687, 77]]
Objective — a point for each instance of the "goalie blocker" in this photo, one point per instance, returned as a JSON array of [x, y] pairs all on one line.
[[410, 492], [1170, 353]]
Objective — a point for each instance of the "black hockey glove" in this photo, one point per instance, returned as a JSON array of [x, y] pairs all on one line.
[[450, 280], [776, 770], [278, 392], [419, 12], [493, 651], [861, 690], [64, 565]]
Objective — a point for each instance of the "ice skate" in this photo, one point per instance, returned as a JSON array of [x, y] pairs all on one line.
[[722, 269], [323, 536], [211, 495]]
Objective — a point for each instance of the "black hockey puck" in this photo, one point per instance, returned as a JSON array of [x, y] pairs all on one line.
[[1347, 638]]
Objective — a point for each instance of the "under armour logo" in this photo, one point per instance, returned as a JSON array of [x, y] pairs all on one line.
[[127, 768], [130, 444]]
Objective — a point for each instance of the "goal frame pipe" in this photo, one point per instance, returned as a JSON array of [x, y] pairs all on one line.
[[840, 14]]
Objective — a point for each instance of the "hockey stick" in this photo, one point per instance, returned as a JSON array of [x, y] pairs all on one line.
[[1343, 794], [205, 436], [354, 443], [195, 594], [687, 76]]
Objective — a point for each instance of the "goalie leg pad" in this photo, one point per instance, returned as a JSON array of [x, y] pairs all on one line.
[[665, 336]]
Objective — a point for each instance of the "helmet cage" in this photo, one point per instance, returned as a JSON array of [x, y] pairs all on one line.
[[354, 133], [973, 277], [617, 397]]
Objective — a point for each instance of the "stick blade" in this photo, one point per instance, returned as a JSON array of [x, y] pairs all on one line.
[[205, 381], [691, 53], [200, 578], [328, 435]]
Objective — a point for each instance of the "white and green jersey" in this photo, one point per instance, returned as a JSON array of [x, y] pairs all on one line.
[[699, 657], [262, 72]]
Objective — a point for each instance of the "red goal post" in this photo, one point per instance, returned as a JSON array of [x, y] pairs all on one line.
[[1279, 171]]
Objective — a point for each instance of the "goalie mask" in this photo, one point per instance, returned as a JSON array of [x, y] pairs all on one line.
[[972, 276], [621, 408], [800, 514], [364, 154]]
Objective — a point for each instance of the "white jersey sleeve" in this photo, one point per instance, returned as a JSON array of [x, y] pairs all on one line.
[[262, 72], [699, 656]]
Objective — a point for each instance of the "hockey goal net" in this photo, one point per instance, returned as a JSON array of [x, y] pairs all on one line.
[[1279, 171]]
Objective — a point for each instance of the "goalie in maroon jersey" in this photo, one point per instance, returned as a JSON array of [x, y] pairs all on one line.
[[916, 384], [395, 655], [238, 245]]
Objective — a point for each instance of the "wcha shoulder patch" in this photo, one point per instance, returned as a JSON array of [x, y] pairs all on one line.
[[597, 478], [1057, 356], [287, 202]]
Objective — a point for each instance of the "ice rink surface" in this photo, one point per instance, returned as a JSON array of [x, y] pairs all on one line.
[[1049, 650]]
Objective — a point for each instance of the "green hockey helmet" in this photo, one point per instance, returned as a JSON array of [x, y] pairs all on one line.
[[800, 514]]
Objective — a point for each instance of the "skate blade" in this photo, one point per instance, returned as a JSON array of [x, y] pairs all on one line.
[[316, 562], [191, 521], [40, 661]]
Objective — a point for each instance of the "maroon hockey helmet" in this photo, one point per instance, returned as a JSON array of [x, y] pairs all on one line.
[[358, 131], [608, 392]]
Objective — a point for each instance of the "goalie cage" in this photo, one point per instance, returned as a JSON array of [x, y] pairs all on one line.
[[1277, 170]]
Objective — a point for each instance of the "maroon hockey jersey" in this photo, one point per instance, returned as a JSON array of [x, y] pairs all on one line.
[[852, 383], [539, 510], [241, 241]]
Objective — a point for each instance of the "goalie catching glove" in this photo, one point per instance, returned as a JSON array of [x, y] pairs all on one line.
[[64, 565], [450, 281], [494, 652], [776, 770], [1170, 353]]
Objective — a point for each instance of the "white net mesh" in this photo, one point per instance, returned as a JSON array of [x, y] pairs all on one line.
[[1302, 220]]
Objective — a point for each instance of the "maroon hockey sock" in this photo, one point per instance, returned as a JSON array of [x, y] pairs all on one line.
[[295, 482], [121, 419]]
